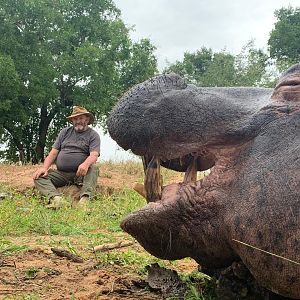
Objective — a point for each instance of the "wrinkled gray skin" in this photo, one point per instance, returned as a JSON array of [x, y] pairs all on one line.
[[251, 139]]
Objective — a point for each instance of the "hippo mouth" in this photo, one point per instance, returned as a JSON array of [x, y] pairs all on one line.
[[190, 164], [161, 225]]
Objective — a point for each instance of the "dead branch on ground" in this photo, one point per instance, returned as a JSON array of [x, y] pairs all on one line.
[[107, 247], [67, 254]]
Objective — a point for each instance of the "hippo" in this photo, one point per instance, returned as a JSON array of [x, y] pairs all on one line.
[[248, 208]]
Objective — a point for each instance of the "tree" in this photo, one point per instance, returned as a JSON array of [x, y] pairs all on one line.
[[193, 66], [65, 53], [284, 41], [251, 67], [141, 64], [10, 85], [206, 68]]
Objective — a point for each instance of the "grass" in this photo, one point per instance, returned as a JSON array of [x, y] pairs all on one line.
[[29, 216], [8, 248], [25, 221]]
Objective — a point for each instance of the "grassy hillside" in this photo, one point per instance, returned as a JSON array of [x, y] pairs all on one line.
[[28, 229]]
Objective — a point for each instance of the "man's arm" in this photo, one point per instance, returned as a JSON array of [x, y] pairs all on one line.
[[91, 159], [49, 160]]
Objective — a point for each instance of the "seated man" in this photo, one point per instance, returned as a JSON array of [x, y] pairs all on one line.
[[75, 153]]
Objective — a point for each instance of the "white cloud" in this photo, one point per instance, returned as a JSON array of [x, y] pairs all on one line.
[[177, 26]]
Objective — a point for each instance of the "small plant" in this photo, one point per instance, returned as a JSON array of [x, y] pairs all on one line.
[[8, 248], [200, 286], [31, 273]]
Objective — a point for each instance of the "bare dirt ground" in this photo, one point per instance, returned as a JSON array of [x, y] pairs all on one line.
[[20, 178], [40, 272], [51, 277]]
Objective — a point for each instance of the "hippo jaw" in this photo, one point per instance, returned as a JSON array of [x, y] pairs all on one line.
[[181, 218]]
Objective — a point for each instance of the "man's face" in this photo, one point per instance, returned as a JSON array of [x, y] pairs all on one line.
[[80, 123]]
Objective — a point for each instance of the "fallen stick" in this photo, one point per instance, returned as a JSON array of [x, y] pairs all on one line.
[[107, 247], [67, 254]]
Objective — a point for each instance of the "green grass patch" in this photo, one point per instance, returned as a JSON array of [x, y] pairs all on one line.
[[21, 215], [200, 286], [8, 248]]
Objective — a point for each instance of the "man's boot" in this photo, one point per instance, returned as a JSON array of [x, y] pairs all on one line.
[[57, 202], [83, 202]]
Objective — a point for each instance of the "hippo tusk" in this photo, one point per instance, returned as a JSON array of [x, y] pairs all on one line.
[[191, 171], [153, 180], [152, 188]]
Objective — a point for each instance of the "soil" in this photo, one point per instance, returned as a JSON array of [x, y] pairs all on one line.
[[40, 272], [51, 277], [20, 178]]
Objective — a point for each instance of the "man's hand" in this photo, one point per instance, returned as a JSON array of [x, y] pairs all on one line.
[[82, 169], [49, 160], [40, 172]]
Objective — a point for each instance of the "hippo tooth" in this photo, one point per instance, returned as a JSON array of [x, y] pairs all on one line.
[[153, 180], [191, 171]]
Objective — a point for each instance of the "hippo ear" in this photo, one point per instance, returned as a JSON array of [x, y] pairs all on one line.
[[288, 86]]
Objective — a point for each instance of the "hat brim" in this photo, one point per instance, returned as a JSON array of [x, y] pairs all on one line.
[[91, 116]]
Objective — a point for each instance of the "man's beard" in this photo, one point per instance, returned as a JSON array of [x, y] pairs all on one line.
[[80, 127]]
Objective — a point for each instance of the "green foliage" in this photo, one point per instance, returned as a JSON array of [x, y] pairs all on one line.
[[8, 248], [125, 258], [200, 286], [56, 54], [284, 41], [9, 91], [140, 64], [31, 273], [206, 68], [20, 216]]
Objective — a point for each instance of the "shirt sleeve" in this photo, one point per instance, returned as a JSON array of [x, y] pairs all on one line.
[[95, 142], [59, 139]]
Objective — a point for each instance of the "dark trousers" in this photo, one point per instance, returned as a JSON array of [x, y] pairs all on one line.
[[47, 185]]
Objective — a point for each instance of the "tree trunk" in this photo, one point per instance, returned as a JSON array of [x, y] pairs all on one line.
[[45, 121]]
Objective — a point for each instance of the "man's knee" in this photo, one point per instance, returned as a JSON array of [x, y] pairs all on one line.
[[94, 170], [37, 182]]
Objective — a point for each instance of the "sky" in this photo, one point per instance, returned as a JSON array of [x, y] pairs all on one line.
[[179, 26]]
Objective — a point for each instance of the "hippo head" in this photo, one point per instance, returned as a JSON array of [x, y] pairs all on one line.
[[248, 207]]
